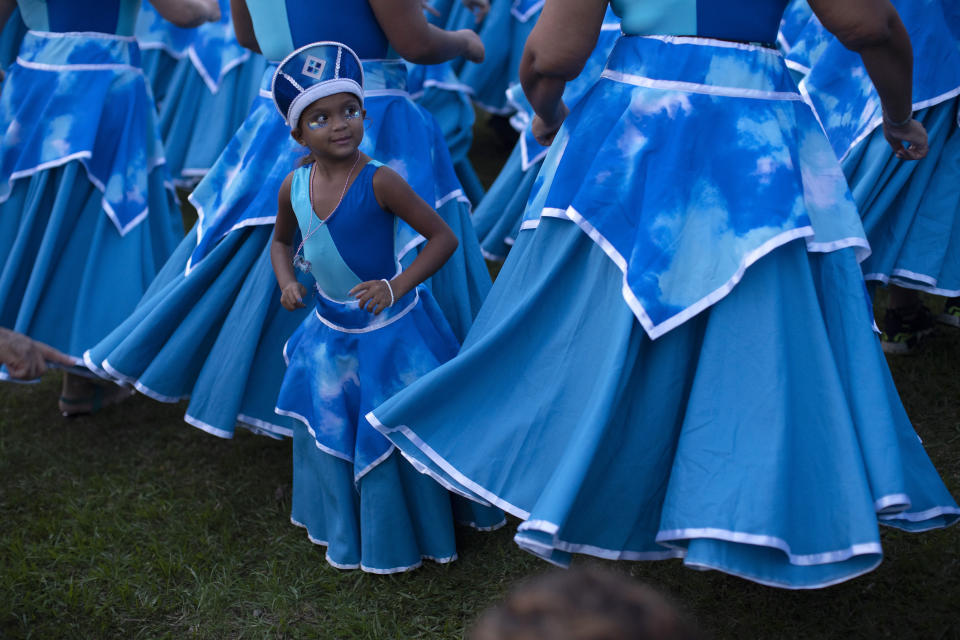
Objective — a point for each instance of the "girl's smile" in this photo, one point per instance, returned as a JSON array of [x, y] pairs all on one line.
[[332, 126]]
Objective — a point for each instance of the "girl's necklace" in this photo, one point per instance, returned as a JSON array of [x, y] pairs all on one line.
[[298, 260]]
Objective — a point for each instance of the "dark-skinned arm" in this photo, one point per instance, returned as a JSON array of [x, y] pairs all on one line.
[[188, 13], [558, 47], [281, 250], [873, 29], [243, 25], [6, 10], [396, 196], [418, 41]]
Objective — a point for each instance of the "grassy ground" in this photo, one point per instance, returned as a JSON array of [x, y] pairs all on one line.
[[135, 525]]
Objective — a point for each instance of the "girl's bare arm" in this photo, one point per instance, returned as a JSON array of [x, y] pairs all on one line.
[[281, 250]]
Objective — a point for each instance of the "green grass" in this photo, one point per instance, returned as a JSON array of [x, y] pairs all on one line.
[[134, 525]]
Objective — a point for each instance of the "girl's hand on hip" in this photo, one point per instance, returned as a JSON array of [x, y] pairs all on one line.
[[291, 296], [373, 296]]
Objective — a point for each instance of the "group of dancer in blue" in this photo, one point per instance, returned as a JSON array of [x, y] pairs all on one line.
[[678, 358]]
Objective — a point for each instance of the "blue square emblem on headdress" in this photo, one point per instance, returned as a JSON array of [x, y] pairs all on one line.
[[313, 67]]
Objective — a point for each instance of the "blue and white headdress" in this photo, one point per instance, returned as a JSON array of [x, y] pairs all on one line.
[[312, 72]]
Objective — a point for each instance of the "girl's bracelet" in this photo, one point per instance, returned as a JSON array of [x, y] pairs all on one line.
[[897, 125], [390, 289]]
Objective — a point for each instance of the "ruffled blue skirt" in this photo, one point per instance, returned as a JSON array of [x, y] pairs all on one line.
[[763, 438], [212, 329], [911, 210], [196, 124], [352, 491], [86, 219], [497, 218]]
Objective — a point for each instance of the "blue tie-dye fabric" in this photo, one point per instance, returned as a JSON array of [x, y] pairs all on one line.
[[795, 18], [343, 361], [531, 150], [840, 90], [212, 47], [241, 188], [677, 220], [101, 116]]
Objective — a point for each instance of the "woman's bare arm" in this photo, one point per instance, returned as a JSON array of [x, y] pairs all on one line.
[[873, 29], [188, 13], [417, 40], [558, 47], [243, 25], [281, 250]]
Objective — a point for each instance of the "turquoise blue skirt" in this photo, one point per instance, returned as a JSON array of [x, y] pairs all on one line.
[[351, 490], [762, 438], [911, 210], [86, 215], [497, 218]]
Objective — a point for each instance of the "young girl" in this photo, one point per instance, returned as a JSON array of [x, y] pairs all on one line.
[[373, 330]]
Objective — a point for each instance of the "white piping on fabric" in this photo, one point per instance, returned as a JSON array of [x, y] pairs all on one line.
[[509, 241], [526, 15], [455, 194], [82, 34], [710, 42], [703, 566], [265, 426], [375, 326], [695, 87], [373, 93], [310, 430], [773, 542], [853, 242], [139, 386], [525, 160], [214, 84], [896, 499], [920, 516], [796, 66], [45, 66], [456, 87], [437, 459], [473, 525], [910, 284], [209, 428], [876, 122], [655, 331], [357, 476], [492, 257], [782, 41], [410, 246]]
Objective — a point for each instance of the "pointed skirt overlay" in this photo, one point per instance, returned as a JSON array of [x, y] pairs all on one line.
[[671, 365], [86, 216], [210, 329], [204, 83], [351, 490], [910, 210], [497, 219]]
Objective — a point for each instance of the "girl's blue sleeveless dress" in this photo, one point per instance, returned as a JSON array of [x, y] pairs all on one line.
[[210, 328], [352, 490], [910, 210], [497, 218], [86, 216], [678, 358], [504, 33], [204, 83]]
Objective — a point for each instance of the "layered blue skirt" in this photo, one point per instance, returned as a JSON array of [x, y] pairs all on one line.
[[910, 210], [204, 82], [86, 219], [211, 327], [758, 431], [497, 218], [351, 490]]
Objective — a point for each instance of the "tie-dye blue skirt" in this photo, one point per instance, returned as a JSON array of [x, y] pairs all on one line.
[[497, 218], [211, 327], [352, 491], [86, 219], [204, 83], [762, 436]]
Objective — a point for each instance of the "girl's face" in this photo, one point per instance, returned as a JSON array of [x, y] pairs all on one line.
[[332, 127]]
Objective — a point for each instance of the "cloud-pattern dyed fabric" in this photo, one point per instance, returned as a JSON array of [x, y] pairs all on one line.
[[100, 114], [677, 220], [840, 90]]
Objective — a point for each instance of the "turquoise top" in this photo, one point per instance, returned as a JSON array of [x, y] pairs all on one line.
[[354, 244], [745, 20], [116, 17], [282, 26]]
